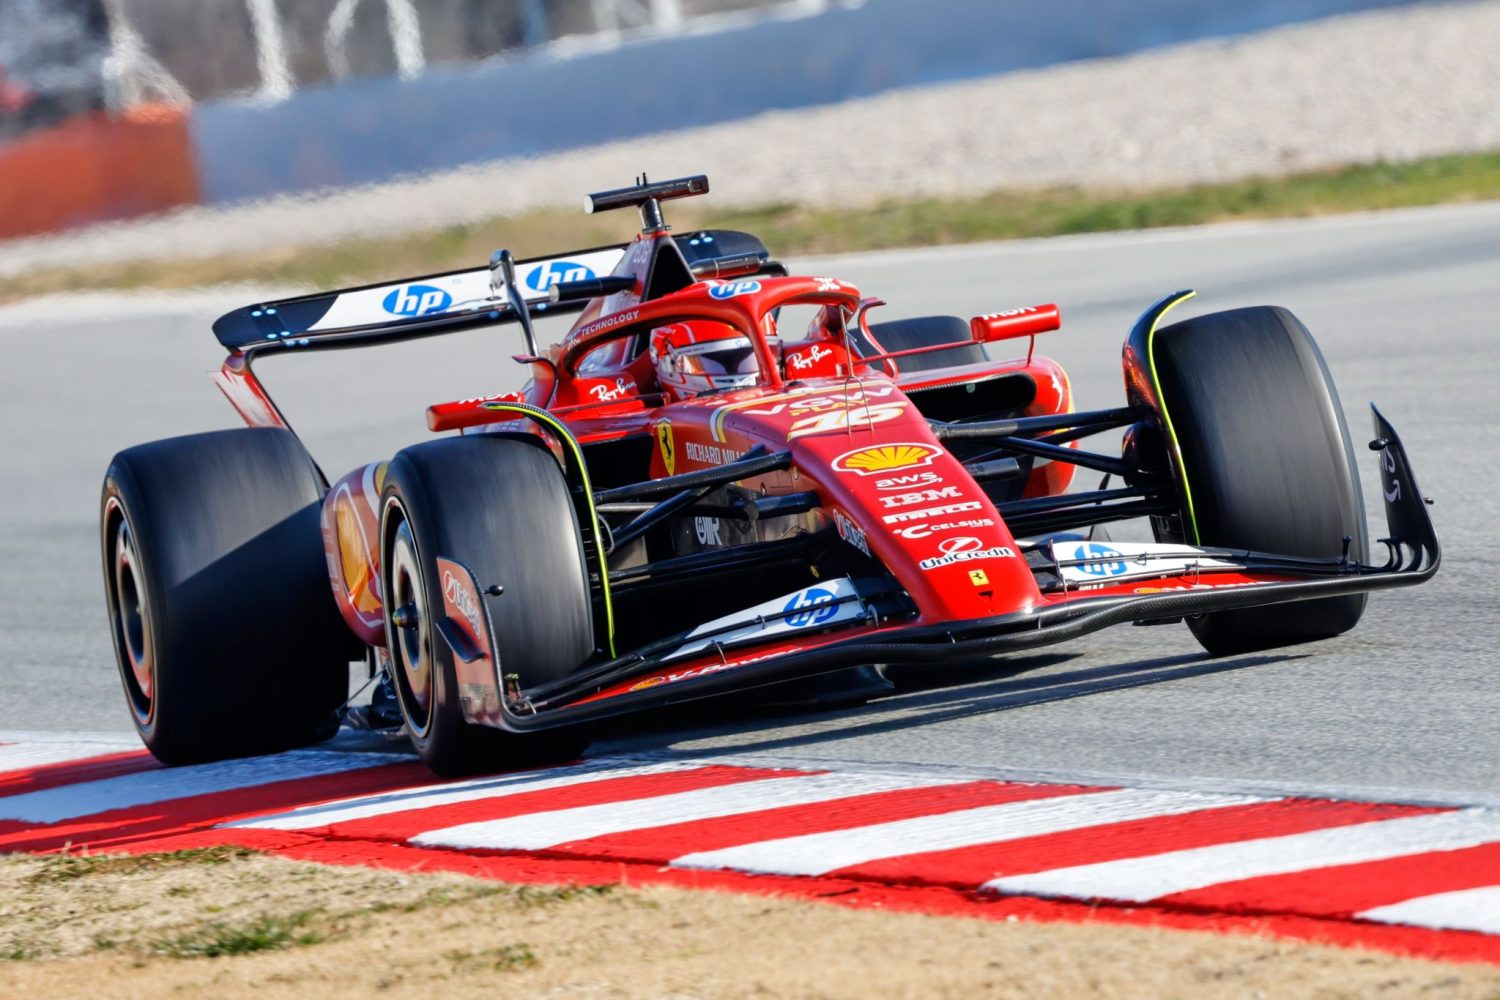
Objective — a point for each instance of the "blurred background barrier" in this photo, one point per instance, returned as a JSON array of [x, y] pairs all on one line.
[[298, 95], [97, 167]]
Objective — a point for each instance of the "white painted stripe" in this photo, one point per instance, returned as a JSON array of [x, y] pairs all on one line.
[[1460, 798], [817, 853], [1462, 910], [22, 756], [1146, 878], [52, 805], [471, 790], [561, 826]]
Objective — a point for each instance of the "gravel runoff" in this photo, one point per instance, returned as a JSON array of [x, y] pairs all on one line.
[[1390, 85]]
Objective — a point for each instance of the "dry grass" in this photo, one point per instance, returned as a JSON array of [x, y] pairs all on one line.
[[792, 229], [227, 923]]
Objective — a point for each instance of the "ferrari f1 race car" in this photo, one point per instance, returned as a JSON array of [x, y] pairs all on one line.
[[721, 477]]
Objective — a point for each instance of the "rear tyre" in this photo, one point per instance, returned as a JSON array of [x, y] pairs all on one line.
[[1267, 460], [501, 507], [225, 629], [925, 331]]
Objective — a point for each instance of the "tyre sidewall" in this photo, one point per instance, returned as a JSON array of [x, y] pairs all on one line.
[[443, 737], [119, 484], [446, 522]]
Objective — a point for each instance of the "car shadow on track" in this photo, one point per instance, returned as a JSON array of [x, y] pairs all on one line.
[[922, 698]]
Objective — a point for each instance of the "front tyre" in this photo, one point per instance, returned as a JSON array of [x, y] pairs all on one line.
[[1266, 461], [501, 507]]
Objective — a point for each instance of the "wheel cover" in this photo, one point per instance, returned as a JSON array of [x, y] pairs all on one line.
[[411, 645], [130, 611]]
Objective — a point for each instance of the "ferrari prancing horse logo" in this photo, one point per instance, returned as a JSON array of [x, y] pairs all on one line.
[[668, 451]]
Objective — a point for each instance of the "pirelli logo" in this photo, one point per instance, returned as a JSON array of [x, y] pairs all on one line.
[[921, 515]]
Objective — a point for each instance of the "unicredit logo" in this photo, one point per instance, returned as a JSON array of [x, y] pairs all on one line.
[[964, 548]]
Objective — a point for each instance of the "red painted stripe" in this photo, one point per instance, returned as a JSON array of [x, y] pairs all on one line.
[[137, 827], [1311, 906], [968, 867], [399, 826], [1344, 890], [72, 772], [663, 843], [67, 772], [1458, 946]]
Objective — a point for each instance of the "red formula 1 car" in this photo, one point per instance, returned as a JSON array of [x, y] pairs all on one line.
[[722, 477]]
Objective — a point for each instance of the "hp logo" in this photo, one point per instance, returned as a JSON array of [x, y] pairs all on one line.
[[813, 606], [555, 272], [1094, 550], [737, 288], [417, 300]]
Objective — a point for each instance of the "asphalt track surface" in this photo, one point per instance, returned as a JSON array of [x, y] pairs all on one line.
[[1403, 709]]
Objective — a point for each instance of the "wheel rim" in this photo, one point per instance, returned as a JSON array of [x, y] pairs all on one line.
[[411, 643], [131, 611]]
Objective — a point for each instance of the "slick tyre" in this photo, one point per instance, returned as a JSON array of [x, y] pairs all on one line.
[[501, 507], [1266, 460], [925, 331], [226, 634]]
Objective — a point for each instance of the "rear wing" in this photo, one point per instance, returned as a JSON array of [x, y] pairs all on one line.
[[434, 303], [457, 300], [437, 304]]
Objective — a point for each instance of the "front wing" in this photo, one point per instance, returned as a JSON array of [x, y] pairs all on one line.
[[636, 683]]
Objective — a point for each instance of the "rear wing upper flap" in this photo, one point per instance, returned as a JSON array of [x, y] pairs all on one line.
[[442, 303], [409, 304]]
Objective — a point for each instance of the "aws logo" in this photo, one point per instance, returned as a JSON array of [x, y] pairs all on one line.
[[417, 300], [555, 272]]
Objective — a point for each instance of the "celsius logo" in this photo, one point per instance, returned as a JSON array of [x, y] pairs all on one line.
[[1095, 551], [417, 300], [555, 272], [812, 606]]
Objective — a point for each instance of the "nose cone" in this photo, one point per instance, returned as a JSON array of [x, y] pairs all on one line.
[[926, 519]]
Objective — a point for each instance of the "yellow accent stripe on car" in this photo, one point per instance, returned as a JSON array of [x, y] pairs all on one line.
[[541, 416], [1187, 490], [721, 414]]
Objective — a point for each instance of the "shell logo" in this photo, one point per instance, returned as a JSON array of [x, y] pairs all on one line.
[[886, 458]]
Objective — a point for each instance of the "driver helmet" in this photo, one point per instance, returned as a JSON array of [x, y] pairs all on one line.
[[702, 356]]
